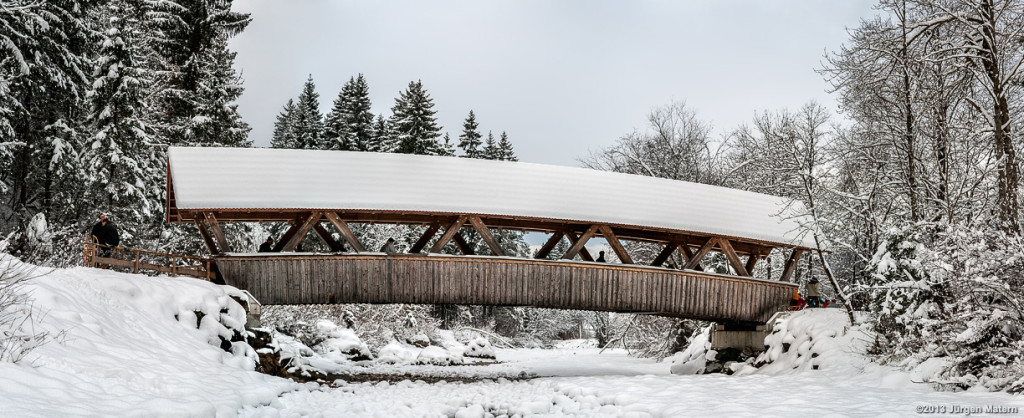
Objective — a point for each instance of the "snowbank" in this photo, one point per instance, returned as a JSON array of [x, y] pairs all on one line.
[[124, 353]]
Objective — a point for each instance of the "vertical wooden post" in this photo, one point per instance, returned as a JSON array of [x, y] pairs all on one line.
[[136, 269], [787, 272], [174, 266]]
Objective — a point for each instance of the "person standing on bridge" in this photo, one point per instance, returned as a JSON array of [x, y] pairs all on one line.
[[600, 257], [267, 246], [389, 247], [105, 233]]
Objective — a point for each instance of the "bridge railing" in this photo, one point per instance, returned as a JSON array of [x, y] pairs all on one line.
[[135, 260]]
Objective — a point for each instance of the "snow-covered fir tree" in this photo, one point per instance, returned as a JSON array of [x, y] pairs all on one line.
[[447, 147], [284, 127], [308, 122], [413, 123], [189, 40], [119, 160], [490, 150], [505, 151], [382, 138], [349, 124], [469, 139]]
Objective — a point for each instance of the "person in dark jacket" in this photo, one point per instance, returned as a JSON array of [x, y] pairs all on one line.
[[600, 257], [105, 233], [267, 246], [389, 247]]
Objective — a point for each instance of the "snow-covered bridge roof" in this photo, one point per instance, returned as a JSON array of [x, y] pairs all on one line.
[[282, 179]]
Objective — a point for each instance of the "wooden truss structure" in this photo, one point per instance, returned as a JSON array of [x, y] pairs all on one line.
[[742, 254]]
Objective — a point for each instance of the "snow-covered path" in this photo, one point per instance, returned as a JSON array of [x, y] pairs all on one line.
[[589, 384]]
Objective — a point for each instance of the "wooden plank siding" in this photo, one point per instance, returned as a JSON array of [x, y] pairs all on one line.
[[400, 278]]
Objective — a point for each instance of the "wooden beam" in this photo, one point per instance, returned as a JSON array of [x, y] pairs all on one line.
[[584, 254], [734, 259], [425, 238], [620, 251], [345, 232], [556, 237], [665, 254], [326, 237], [485, 234], [463, 245], [303, 230], [448, 234], [580, 243], [752, 262], [688, 255], [787, 272], [294, 229], [222, 242], [210, 245], [695, 258]]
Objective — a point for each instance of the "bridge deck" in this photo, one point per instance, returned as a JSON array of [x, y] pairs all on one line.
[[436, 279]]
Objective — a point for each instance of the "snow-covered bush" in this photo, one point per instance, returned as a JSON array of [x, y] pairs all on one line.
[[901, 291], [479, 347], [438, 356], [968, 309], [342, 342]]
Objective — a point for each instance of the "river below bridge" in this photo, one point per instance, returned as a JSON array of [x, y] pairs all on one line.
[[580, 381]]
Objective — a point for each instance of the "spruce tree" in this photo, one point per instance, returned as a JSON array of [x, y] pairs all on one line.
[[119, 161], [382, 138], [469, 140], [336, 135], [447, 148], [349, 124], [308, 121], [505, 151], [490, 151], [284, 127], [217, 121], [187, 35], [413, 122]]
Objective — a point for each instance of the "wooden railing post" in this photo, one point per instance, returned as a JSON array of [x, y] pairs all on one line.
[[136, 269], [174, 266]]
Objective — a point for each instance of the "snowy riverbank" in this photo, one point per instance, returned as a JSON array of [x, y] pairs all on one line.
[[124, 353]]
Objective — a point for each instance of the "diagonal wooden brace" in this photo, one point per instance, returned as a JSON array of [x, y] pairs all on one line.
[[613, 240], [734, 259], [556, 237], [485, 234], [448, 234], [217, 233], [210, 245], [303, 230], [580, 244], [665, 253], [704, 249], [787, 272], [425, 238], [326, 237], [345, 232]]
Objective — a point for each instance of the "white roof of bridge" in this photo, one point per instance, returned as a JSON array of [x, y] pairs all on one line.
[[263, 178]]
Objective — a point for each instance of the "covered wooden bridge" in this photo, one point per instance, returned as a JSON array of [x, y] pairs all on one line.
[[326, 192]]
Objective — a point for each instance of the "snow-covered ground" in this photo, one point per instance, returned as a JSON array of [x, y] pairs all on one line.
[[125, 354]]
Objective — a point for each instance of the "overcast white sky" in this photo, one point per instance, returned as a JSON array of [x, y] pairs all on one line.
[[561, 77]]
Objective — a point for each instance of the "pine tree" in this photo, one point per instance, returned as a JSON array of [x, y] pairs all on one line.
[[469, 140], [505, 151], [382, 138], [217, 121], [349, 124], [490, 151], [308, 121], [413, 122], [447, 148], [187, 37], [119, 161], [284, 127]]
